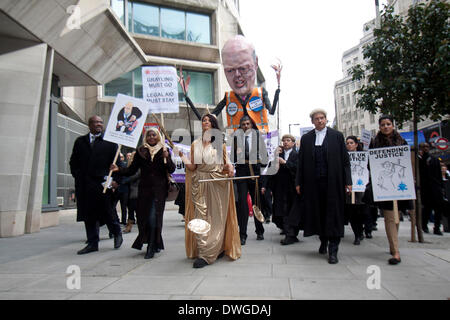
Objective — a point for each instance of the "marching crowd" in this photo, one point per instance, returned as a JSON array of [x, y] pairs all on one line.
[[305, 188]]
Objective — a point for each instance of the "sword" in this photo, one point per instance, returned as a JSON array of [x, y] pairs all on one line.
[[228, 179]]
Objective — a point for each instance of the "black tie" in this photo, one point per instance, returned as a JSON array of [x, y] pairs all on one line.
[[92, 142], [246, 148]]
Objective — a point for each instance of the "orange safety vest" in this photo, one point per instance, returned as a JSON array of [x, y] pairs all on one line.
[[255, 107]]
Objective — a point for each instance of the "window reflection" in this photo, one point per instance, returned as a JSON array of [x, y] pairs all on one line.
[[173, 24], [145, 19], [198, 29]]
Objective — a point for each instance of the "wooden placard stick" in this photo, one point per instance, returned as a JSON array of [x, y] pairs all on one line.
[[163, 131], [110, 171], [353, 197]]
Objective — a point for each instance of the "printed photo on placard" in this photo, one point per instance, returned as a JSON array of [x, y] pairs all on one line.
[[126, 121]]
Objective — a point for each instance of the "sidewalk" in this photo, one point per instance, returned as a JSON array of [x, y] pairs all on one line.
[[34, 266]]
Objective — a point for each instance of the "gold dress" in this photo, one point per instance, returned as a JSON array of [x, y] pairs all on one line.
[[213, 202]]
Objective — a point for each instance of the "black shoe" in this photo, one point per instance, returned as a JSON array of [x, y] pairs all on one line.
[[150, 252], [118, 241], [357, 241], [426, 230], [288, 240], [242, 241], [394, 261], [332, 259], [323, 248], [260, 237], [200, 263], [88, 248], [438, 232], [361, 237], [111, 235], [369, 235], [267, 220]]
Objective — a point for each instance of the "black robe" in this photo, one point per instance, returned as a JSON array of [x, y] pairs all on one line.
[[153, 185], [339, 176], [89, 166], [282, 185]]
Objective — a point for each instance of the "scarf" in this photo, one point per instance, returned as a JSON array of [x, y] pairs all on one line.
[[153, 149]]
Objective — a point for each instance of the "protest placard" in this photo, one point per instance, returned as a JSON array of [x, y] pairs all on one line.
[[160, 89], [359, 170], [366, 136], [126, 121], [391, 173]]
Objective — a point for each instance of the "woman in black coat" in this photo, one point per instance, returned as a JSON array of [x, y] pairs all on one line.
[[155, 163], [355, 212], [387, 136]]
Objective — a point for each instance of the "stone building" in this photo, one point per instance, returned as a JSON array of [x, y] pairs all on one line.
[[63, 61]]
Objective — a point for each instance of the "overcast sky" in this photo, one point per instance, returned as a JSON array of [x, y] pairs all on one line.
[[309, 37]]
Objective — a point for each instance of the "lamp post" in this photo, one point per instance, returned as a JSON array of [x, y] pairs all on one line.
[[292, 124]]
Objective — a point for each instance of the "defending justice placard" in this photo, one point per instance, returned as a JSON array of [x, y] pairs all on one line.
[[126, 121], [359, 170], [391, 173], [160, 89]]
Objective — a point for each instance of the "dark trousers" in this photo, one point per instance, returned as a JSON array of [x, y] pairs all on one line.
[[132, 206], [358, 217], [93, 229], [322, 192], [244, 187], [426, 214], [123, 198]]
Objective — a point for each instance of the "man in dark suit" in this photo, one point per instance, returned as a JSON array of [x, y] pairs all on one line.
[[248, 150], [323, 178], [282, 183], [89, 164]]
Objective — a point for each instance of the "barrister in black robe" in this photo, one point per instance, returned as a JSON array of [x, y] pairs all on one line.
[[89, 164], [282, 183], [323, 178]]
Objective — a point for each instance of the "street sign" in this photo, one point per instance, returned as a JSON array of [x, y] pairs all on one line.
[[441, 143]]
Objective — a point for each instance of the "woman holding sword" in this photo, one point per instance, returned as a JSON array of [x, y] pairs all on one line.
[[211, 201]]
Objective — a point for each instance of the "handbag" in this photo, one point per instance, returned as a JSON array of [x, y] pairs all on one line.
[[173, 189]]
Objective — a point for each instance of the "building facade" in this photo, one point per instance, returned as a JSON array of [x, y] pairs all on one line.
[[351, 120], [59, 70]]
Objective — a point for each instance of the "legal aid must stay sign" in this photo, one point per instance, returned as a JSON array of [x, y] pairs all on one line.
[[160, 89]]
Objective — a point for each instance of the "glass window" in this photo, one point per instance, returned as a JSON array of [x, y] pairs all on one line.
[[123, 84], [117, 7], [173, 24], [342, 102], [198, 28], [137, 82], [200, 89], [145, 19]]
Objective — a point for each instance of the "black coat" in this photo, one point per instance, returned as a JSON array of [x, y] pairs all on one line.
[[237, 153], [431, 183], [153, 185], [89, 166], [282, 185], [339, 176]]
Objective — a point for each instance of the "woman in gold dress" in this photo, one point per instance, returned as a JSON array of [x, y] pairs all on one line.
[[210, 201]]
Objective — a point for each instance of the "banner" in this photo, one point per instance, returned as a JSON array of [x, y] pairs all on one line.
[[359, 170], [126, 121], [180, 170], [391, 173], [305, 130], [160, 89], [271, 140]]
